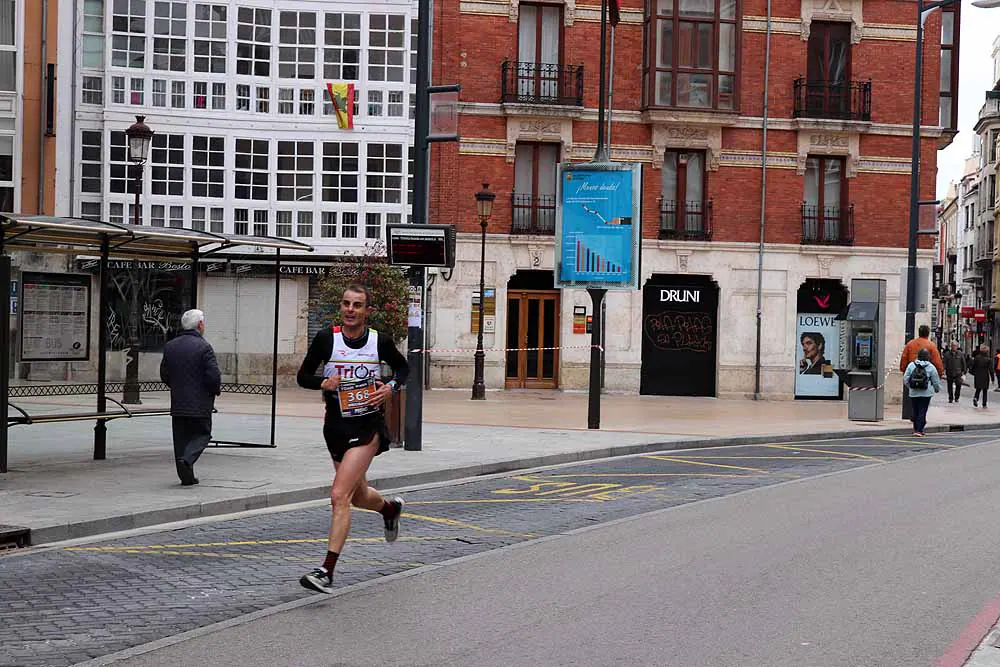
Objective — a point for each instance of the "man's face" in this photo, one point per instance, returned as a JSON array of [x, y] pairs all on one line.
[[354, 309], [809, 348]]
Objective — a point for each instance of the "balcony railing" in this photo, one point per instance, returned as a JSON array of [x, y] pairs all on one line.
[[533, 214], [541, 83], [847, 100], [830, 225], [686, 220]]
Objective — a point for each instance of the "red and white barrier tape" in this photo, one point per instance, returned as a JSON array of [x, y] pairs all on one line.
[[509, 349]]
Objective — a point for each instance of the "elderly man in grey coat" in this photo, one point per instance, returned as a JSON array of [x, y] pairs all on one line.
[[190, 370]]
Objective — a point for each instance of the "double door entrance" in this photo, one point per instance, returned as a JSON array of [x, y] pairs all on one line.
[[532, 322]]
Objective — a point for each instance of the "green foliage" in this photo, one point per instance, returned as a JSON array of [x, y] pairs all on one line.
[[388, 284]]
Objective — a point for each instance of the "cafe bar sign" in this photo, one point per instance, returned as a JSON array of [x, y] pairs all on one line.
[[215, 267]]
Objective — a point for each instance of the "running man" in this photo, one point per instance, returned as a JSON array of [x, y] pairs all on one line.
[[354, 427]]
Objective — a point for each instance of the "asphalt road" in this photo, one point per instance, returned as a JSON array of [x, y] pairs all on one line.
[[852, 552]]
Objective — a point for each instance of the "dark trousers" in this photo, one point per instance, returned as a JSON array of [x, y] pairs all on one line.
[[954, 388], [985, 392], [191, 436], [920, 405]]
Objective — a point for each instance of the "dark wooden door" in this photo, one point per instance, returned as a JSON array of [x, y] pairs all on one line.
[[532, 322]]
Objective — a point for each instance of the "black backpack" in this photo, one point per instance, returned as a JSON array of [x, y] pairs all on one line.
[[918, 378]]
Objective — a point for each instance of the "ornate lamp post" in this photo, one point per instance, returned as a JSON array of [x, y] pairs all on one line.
[[139, 138], [484, 208]]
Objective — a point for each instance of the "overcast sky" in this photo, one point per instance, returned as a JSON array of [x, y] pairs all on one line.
[[979, 28]]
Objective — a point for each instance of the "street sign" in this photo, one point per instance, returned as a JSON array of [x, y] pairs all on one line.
[[968, 312], [923, 290], [980, 315], [421, 245], [598, 208]]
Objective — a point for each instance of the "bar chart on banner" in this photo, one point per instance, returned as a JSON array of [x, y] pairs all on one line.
[[594, 260]]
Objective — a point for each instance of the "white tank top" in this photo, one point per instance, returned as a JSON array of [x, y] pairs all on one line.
[[357, 369]]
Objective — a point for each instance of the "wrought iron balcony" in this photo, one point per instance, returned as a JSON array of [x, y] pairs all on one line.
[[541, 83], [846, 100], [686, 220], [533, 214], [830, 225]]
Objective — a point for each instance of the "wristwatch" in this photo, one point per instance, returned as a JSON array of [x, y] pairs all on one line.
[[394, 385]]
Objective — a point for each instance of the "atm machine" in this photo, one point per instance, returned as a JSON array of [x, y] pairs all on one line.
[[861, 359]]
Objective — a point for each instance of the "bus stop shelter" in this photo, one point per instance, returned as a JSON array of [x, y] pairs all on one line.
[[108, 241]]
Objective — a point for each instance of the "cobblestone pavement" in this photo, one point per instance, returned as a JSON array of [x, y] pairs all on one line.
[[67, 605]]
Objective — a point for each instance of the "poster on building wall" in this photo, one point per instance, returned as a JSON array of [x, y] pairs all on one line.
[[817, 335], [489, 312], [55, 317]]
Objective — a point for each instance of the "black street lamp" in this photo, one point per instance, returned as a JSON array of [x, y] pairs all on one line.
[[139, 138], [914, 231], [484, 208]]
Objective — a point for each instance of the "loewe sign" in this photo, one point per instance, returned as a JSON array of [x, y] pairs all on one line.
[[680, 296]]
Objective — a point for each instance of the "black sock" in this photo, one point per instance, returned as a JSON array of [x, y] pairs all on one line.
[[389, 509], [331, 561]]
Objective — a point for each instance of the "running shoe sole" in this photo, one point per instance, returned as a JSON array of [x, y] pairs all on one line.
[[392, 525], [315, 583]]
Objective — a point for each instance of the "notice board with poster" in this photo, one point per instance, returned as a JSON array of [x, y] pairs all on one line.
[[817, 336], [489, 312], [54, 317]]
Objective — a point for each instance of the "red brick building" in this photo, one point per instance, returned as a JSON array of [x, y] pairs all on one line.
[[688, 103]]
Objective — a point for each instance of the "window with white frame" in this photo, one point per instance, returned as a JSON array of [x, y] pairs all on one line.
[[260, 223], [242, 97], [116, 213], [167, 158], [128, 40], [297, 45], [241, 221], [283, 224], [169, 35], [413, 52], [138, 89], [410, 161], [8, 47], [91, 161], [92, 90], [304, 228], [307, 102], [120, 169], [218, 95], [177, 95], [118, 89], [252, 169], [295, 171], [199, 94], [208, 160], [177, 216], [373, 225], [263, 99], [217, 220], [349, 225], [328, 225], [198, 218], [90, 210], [374, 103], [413, 106], [394, 107], [340, 171], [253, 41], [210, 38], [135, 214], [386, 47], [384, 173], [157, 215], [159, 92], [342, 47], [93, 34], [286, 100]]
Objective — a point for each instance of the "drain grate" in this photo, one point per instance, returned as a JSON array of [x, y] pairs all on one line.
[[14, 537]]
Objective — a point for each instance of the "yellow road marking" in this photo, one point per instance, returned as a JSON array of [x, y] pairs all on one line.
[[824, 451], [462, 524], [657, 474], [497, 500], [918, 442], [156, 547], [217, 554], [674, 459], [772, 458]]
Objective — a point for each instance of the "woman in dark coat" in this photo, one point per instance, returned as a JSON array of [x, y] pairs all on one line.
[[981, 366]]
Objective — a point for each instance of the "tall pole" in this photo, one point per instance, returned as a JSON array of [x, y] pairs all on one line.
[[479, 382], [130, 391], [594, 398], [601, 154], [413, 427], [911, 253]]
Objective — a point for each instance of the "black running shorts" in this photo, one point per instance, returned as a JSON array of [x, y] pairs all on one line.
[[342, 434]]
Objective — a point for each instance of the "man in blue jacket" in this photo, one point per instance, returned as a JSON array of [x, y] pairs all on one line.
[[190, 370]]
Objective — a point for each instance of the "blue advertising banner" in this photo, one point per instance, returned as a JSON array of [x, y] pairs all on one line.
[[597, 230]]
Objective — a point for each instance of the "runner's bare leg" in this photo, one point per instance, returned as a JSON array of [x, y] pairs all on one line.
[[350, 473]]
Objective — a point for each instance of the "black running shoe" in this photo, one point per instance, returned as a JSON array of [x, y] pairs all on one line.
[[392, 525], [318, 580]]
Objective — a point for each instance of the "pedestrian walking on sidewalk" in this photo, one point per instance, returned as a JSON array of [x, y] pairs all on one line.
[[921, 342], [955, 370], [982, 366], [996, 370], [923, 381], [354, 427], [191, 371]]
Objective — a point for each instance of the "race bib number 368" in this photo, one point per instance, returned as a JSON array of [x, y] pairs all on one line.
[[354, 395]]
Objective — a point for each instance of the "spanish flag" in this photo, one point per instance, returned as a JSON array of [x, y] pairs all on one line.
[[342, 96]]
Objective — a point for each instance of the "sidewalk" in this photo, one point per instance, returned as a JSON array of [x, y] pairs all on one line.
[[59, 492]]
